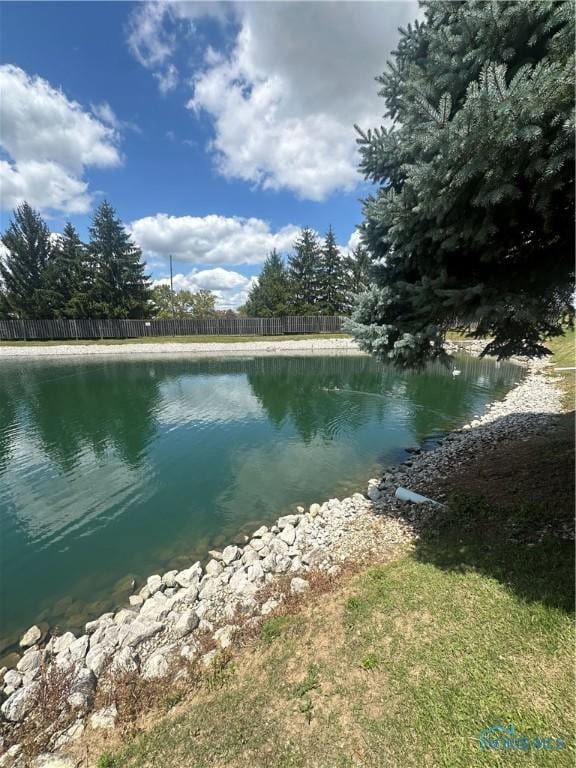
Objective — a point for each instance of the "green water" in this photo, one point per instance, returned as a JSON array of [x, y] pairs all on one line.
[[112, 469]]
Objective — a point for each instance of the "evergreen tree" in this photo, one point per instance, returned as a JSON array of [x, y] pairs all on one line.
[[473, 224], [67, 276], [119, 289], [359, 266], [23, 267], [332, 278], [303, 268], [269, 297]]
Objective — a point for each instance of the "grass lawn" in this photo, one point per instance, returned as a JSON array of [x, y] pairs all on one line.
[[564, 356], [211, 339], [405, 663]]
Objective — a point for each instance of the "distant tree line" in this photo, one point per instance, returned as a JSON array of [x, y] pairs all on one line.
[[49, 276], [316, 280]]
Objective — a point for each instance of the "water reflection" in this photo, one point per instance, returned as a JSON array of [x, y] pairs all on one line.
[[113, 467]]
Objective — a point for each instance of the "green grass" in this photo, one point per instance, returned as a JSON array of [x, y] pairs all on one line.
[[406, 665], [210, 339], [563, 350]]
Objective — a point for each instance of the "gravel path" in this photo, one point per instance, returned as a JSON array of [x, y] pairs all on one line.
[[307, 346]]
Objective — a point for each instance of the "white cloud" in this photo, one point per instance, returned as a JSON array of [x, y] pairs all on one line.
[[49, 141], [210, 239], [167, 79], [284, 98], [353, 240], [231, 288]]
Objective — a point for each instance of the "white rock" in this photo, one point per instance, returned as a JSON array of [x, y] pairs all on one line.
[[82, 689], [292, 520], [156, 607], [215, 553], [208, 588], [269, 563], [169, 579], [104, 718], [61, 643], [72, 733], [154, 583], [124, 661], [190, 576], [255, 571], [30, 663], [283, 564], [214, 567], [224, 635], [155, 666], [189, 651], [31, 637], [230, 553], [53, 761], [260, 532], [13, 678], [139, 631], [298, 585], [314, 510], [270, 605], [250, 555], [136, 601], [97, 657], [20, 702], [79, 648], [288, 534], [105, 620], [187, 622], [209, 657], [238, 581], [257, 544]]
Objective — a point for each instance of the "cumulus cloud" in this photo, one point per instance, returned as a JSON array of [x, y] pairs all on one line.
[[49, 141], [231, 288], [284, 97], [210, 239]]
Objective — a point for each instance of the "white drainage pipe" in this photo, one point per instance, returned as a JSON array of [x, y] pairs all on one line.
[[405, 495]]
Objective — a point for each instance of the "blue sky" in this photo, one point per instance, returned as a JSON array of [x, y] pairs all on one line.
[[215, 129]]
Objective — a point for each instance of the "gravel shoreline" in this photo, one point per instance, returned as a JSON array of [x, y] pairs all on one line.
[[169, 620], [184, 348]]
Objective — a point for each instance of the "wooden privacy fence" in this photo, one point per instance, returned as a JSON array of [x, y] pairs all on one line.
[[131, 329]]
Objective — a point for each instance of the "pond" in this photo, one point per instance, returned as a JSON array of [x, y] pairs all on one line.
[[113, 469]]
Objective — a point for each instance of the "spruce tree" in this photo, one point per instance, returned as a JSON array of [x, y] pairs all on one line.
[[23, 267], [359, 266], [303, 268], [332, 278], [269, 297], [120, 288], [67, 276], [473, 224]]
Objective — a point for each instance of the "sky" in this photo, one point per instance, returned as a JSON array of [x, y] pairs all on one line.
[[216, 130]]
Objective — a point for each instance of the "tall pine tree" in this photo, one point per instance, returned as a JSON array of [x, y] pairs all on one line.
[[332, 278], [269, 297], [303, 268], [473, 223], [120, 288], [359, 266], [23, 268], [68, 277]]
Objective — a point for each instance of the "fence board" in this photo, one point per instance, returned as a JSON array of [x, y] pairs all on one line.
[[36, 330]]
